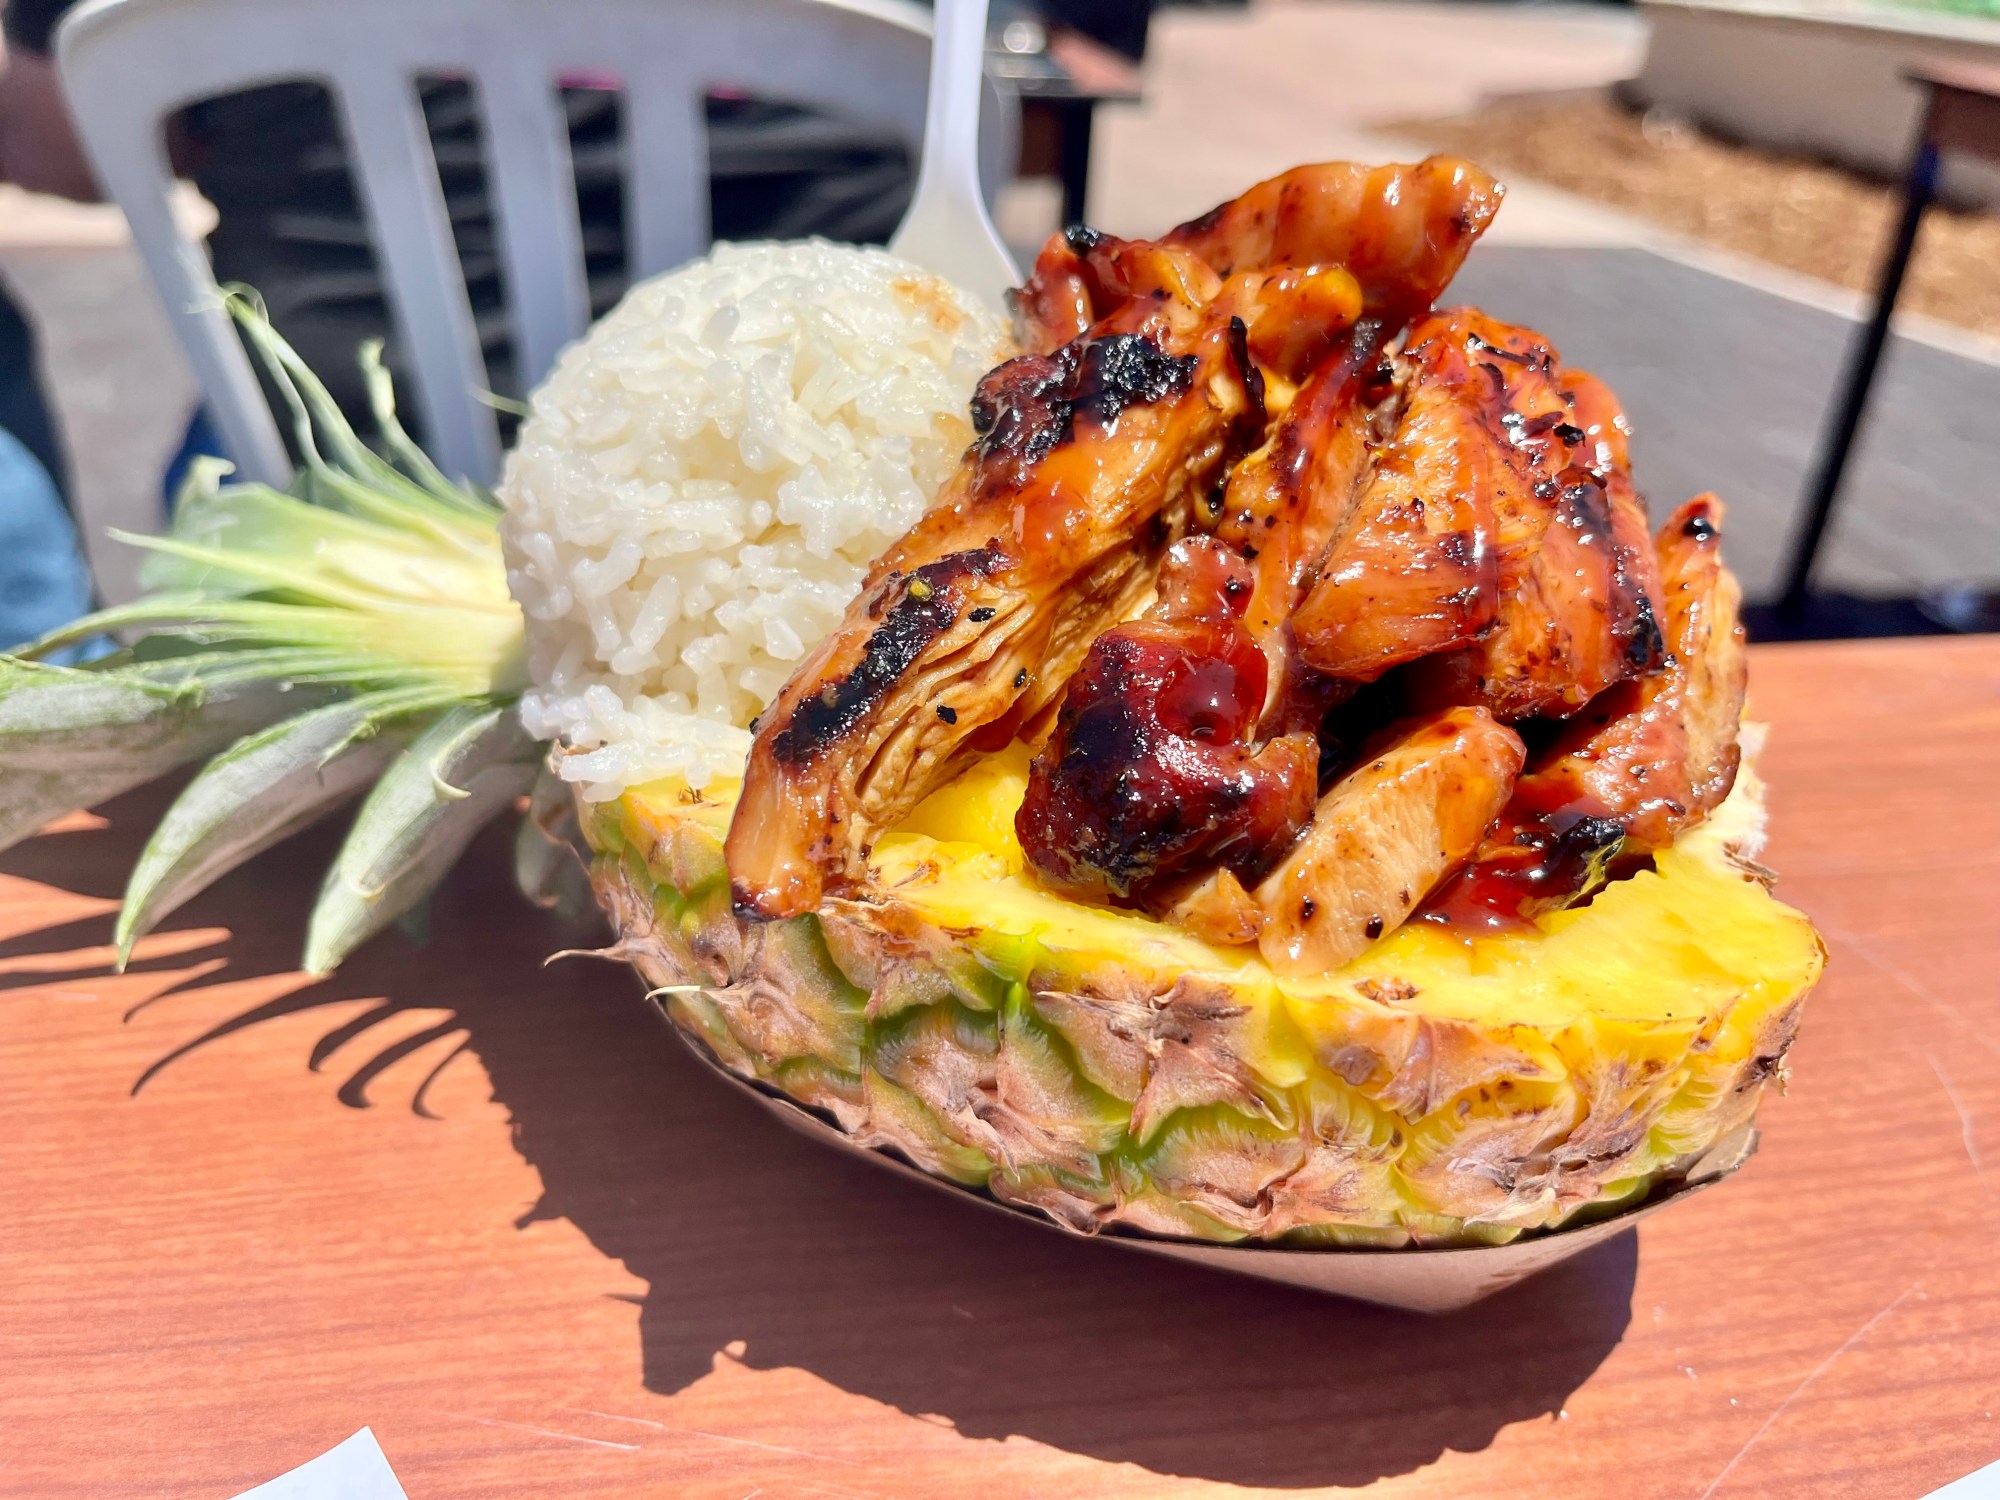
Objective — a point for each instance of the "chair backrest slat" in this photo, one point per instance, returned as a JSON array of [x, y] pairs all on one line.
[[534, 193], [186, 285], [396, 175], [666, 167], [127, 65]]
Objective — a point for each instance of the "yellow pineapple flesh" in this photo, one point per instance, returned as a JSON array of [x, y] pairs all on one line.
[[1110, 1070]]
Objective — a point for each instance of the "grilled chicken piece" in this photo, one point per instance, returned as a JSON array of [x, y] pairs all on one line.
[[1150, 771], [1414, 569], [1709, 667], [1578, 595], [1400, 231], [1293, 315], [1056, 303], [1296, 496], [1665, 752], [1141, 785], [1383, 836], [1605, 453], [1407, 231], [1151, 355], [1165, 757], [1286, 500], [1647, 761], [1093, 451], [1084, 276]]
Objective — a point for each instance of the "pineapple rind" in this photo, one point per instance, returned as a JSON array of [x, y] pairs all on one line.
[[1106, 1070]]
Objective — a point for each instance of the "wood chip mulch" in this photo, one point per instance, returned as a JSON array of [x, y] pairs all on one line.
[[1805, 215]]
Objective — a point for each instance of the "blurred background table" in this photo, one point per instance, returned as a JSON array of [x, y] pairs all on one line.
[[1062, 75], [493, 1211], [1961, 117]]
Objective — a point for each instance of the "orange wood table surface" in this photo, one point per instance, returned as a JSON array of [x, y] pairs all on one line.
[[492, 1211]]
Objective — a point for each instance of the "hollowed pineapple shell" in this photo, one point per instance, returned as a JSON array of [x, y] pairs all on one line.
[[1109, 1071]]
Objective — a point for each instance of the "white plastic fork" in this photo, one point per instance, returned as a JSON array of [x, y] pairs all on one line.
[[947, 229]]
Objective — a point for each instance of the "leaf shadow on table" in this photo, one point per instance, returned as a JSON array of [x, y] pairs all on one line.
[[760, 1245]]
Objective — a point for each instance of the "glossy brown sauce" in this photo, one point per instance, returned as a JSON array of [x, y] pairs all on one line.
[[1551, 849]]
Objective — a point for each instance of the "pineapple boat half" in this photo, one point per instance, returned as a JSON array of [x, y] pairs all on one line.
[[1279, 791], [1108, 1069]]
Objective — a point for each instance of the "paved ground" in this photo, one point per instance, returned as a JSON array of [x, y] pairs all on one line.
[[1234, 96], [1726, 368]]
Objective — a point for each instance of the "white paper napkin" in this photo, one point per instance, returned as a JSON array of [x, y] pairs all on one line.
[[1985, 1485], [356, 1470]]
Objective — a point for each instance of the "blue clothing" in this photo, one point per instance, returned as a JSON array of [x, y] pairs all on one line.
[[44, 581], [201, 440], [24, 409]]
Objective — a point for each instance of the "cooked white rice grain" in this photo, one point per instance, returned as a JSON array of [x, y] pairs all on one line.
[[703, 481]]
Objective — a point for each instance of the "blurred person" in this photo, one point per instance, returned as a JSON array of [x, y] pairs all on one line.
[[44, 580]]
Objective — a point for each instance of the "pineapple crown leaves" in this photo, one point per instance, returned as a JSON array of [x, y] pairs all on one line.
[[349, 634]]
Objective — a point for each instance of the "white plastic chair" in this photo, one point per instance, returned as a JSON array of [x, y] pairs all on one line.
[[127, 65]]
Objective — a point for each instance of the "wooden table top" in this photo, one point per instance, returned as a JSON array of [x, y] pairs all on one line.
[[492, 1211]]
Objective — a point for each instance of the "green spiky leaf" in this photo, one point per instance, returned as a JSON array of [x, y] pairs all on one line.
[[464, 770], [301, 637], [546, 867], [72, 738], [264, 788], [256, 540]]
